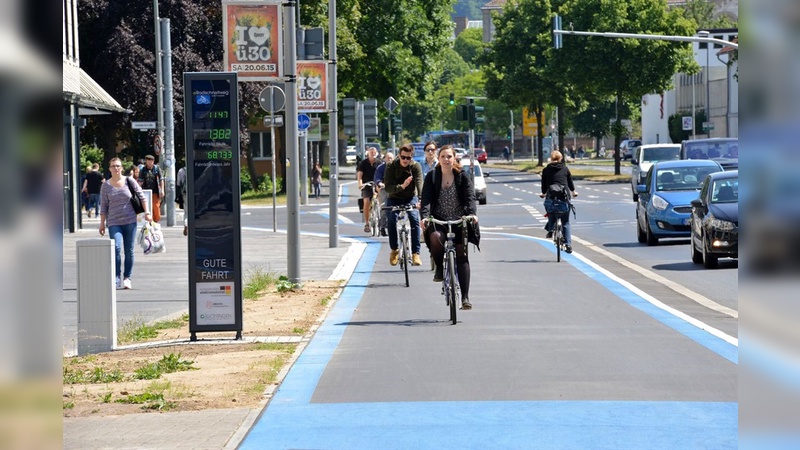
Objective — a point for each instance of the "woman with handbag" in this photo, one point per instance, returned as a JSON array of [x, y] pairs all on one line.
[[447, 194], [117, 210]]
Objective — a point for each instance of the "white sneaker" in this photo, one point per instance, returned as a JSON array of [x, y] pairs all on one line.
[[126, 283], [119, 283]]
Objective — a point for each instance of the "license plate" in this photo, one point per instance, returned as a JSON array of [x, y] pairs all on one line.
[[687, 221]]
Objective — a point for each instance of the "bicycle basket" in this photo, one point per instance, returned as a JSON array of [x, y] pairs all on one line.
[[553, 206]]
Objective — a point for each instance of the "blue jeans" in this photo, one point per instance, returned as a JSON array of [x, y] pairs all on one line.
[[94, 202], [551, 225], [123, 235], [413, 221]]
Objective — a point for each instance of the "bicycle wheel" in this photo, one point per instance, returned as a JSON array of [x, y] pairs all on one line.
[[374, 220], [405, 257], [558, 240], [450, 266]]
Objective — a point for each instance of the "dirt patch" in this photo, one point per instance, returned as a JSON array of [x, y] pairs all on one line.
[[222, 374]]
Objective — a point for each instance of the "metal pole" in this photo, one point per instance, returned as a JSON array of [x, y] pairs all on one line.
[[159, 75], [708, 90], [694, 112], [303, 151], [274, 162], [293, 158], [511, 127], [168, 162], [333, 129]]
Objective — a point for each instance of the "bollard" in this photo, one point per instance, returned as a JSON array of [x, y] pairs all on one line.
[[97, 296]]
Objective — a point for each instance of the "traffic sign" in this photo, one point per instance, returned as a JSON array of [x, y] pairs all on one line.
[[687, 123], [273, 121], [158, 144], [303, 121], [708, 126], [272, 99], [148, 125], [390, 104]]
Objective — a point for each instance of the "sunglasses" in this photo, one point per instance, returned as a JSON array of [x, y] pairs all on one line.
[[407, 158], [116, 166], [430, 149]]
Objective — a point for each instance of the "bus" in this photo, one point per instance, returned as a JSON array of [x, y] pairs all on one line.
[[452, 137]]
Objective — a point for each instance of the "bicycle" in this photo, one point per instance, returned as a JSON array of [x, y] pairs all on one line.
[[374, 211], [403, 235], [559, 208], [450, 286]]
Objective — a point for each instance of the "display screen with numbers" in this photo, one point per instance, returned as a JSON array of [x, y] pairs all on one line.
[[213, 202]]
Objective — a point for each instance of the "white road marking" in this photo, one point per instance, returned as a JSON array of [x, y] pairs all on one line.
[[698, 298], [682, 290]]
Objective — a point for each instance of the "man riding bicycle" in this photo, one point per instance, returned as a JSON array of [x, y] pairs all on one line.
[[403, 182], [365, 174], [557, 185]]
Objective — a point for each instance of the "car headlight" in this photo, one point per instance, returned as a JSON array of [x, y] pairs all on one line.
[[659, 203], [721, 225]]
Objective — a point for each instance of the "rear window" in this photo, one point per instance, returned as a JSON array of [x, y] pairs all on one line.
[[711, 149], [661, 154]]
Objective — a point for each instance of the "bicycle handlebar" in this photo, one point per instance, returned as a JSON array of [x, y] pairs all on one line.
[[367, 184], [462, 220], [399, 208]]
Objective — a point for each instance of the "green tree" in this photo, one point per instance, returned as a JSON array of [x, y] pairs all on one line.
[[702, 13], [623, 69], [519, 69], [469, 44]]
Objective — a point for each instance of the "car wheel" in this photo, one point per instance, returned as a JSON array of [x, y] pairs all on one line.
[[651, 238], [697, 257], [640, 236], [482, 201], [709, 260]]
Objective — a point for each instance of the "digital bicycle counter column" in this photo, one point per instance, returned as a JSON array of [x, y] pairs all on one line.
[[213, 203]]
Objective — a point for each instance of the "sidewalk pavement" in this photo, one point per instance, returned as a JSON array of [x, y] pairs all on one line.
[[160, 291]]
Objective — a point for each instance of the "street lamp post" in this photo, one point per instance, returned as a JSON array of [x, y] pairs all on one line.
[[704, 34]]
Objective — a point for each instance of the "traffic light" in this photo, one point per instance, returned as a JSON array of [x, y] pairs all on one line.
[[474, 114], [385, 130], [452, 99], [461, 113], [371, 117], [349, 115], [397, 124]]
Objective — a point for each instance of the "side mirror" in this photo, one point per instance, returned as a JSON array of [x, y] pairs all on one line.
[[697, 203], [634, 161], [641, 189]]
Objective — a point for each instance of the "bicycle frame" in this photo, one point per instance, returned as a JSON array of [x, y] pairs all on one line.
[[450, 286], [403, 236]]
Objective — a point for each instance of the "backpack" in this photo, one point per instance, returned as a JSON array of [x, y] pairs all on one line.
[[557, 192], [150, 179]]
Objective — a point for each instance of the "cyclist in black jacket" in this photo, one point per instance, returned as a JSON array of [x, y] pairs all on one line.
[[557, 173]]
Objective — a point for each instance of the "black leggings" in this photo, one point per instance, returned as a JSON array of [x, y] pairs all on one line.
[[436, 241]]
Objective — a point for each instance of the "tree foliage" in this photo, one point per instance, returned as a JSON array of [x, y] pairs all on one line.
[[623, 69], [469, 44]]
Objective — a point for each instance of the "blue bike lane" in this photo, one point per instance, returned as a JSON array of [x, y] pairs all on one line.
[[294, 418]]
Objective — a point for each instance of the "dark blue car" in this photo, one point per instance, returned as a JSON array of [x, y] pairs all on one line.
[[715, 219], [664, 206]]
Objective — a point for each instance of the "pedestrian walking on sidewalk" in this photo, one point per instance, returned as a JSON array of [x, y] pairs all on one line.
[[117, 213], [316, 179]]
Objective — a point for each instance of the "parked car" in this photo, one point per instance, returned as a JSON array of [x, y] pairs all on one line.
[[664, 206], [481, 155], [725, 151], [626, 147], [715, 219], [350, 154], [460, 152], [479, 182], [645, 155]]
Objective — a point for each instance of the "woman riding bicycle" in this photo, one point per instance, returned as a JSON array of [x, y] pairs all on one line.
[[557, 174], [447, 194]]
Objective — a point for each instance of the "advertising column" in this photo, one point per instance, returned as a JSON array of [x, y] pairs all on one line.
[[213, 202]]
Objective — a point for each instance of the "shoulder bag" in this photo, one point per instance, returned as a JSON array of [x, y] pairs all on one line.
[[135, 200]]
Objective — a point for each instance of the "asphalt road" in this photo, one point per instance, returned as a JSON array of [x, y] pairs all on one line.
[[618, 346]]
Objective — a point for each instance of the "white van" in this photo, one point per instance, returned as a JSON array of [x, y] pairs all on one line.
[[644, 156]]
